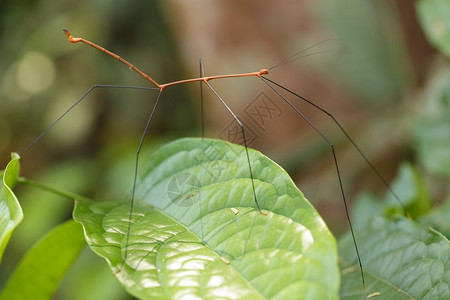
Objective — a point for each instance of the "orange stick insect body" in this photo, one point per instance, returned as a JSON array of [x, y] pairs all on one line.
[[161, 87]]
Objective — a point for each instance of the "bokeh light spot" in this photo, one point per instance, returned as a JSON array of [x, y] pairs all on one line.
[[35, 73]]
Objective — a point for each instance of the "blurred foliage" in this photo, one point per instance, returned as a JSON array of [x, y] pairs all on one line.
[[51, 257], [411, 195], [432, 127], [369, 35], [433, 15], [386, 84]]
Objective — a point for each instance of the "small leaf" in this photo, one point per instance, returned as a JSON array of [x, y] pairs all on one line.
[[411, 190], [434, 15], [196, 231], [10, 211], [39, 273], [401, 260]]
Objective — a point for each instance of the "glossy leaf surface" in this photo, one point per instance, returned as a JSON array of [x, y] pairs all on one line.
[[196, 230]]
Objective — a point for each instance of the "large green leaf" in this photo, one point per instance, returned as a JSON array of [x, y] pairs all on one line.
[[39, 273], [434, 15], [196, 230], [10, 211], [401, 259]]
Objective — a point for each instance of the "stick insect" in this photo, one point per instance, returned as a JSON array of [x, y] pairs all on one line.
[[262, 75]]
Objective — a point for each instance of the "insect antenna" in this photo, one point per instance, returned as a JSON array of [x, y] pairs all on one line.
[[297, 55]]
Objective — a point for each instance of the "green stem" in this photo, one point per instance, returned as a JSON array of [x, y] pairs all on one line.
[[65, 194]]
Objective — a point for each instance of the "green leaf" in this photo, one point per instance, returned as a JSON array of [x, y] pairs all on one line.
[[434, 15], [412, 192], [196, 230], [10, 211], [401, 260], [409, 187], [39, 273]]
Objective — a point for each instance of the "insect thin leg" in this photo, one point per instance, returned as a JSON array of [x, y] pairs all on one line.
[[202, 119], [73, 106], [135, 178], [361, 153], [241, 126], [337, 171]]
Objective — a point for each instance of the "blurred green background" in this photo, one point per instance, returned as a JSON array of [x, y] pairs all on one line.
[[376, 73]]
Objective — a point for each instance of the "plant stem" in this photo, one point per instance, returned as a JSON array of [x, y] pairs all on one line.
[[65, 194]]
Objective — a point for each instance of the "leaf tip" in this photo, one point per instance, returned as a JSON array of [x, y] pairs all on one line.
[[15, 155]]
